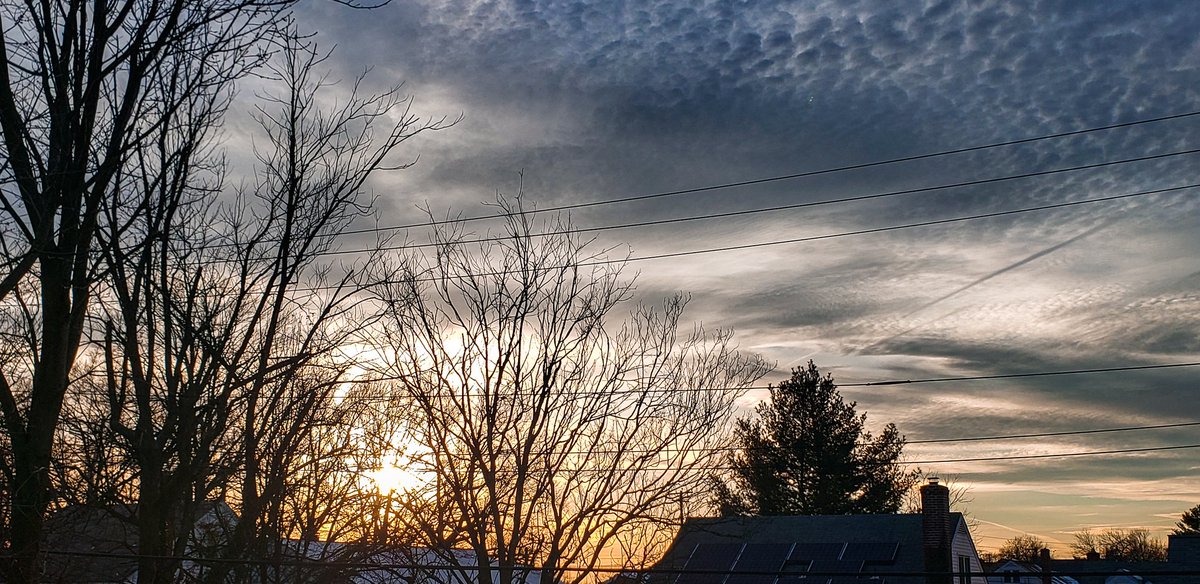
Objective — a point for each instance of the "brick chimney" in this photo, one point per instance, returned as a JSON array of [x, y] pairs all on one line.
[[1183, 555], [935, 531], [1045, 566], [1183, 551]]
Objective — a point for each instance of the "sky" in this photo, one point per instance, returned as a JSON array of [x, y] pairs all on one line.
[[577, 101]]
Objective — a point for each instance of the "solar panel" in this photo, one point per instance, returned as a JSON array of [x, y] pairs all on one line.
[[817, 551], [763, 556], [835, 566], [710, 556], [879, 552], [832, 580], [759, 557], [714, 556]]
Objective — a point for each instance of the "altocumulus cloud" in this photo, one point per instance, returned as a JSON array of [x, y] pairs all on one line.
[[600, 99]]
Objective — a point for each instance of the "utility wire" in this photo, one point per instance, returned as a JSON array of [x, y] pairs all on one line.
[[1058, 454], [1019, 375], [791, 176], [1054, 434], [369, 397], [644, 391], [743, 212], [685, 467], [425, 566], [709, 450], [904, 226], [777, 242], [692, 252]]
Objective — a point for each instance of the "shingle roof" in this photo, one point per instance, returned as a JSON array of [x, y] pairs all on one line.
[[831, 543], [94, 531]]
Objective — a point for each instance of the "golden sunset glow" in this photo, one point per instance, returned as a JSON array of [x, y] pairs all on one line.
[[395, 479]]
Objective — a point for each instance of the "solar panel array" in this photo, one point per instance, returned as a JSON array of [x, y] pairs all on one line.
[[787, 563], [762, 557], [718, 557]]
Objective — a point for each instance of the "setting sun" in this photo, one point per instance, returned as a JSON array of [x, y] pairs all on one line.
[[393, 478]]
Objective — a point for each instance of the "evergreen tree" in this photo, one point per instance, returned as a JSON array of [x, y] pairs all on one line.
[[1189, 522], [806, 453]]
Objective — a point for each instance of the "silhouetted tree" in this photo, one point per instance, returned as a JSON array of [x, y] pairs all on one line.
[[1189, 522], [806, 453], [548, 427], [226, 326], [960, 494], [1130, 545], [83, 85], [1023, 548], [138, 317]]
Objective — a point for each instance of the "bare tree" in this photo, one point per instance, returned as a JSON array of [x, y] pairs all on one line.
[[546, 426], [222, 325], [92, 464], [1130, 545], [331, 510], [960, 495], [80, 90], [1023, 548]]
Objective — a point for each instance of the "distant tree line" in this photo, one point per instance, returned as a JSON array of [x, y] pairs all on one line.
[[1128, 545]]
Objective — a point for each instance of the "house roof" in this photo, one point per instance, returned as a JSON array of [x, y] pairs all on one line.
[[106, 531], [813, 543], [1014, 565], [96, 545], [1104, 571]]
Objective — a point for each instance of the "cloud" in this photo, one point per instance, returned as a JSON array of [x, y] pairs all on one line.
[[585, 100]]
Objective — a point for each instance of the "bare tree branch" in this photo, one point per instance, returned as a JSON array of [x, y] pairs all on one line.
[[537, 417]]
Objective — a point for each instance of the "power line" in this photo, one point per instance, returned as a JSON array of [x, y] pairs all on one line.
[[908, 225], [791, 176], [1053, 434], [292, 562], [616, 392], [777, 242], [857, 198], [608, 262], [1019, 375], [1058, 455], [710, 450], [374, 397], [1015, 457]]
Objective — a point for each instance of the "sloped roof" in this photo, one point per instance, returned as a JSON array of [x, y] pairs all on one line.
[[1101, 571], [1018, 566], [104, 538], [831, 543], [91, 530], [379, 564]]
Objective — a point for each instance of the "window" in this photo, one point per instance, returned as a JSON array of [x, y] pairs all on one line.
[[1011, 576], [964, 569]]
